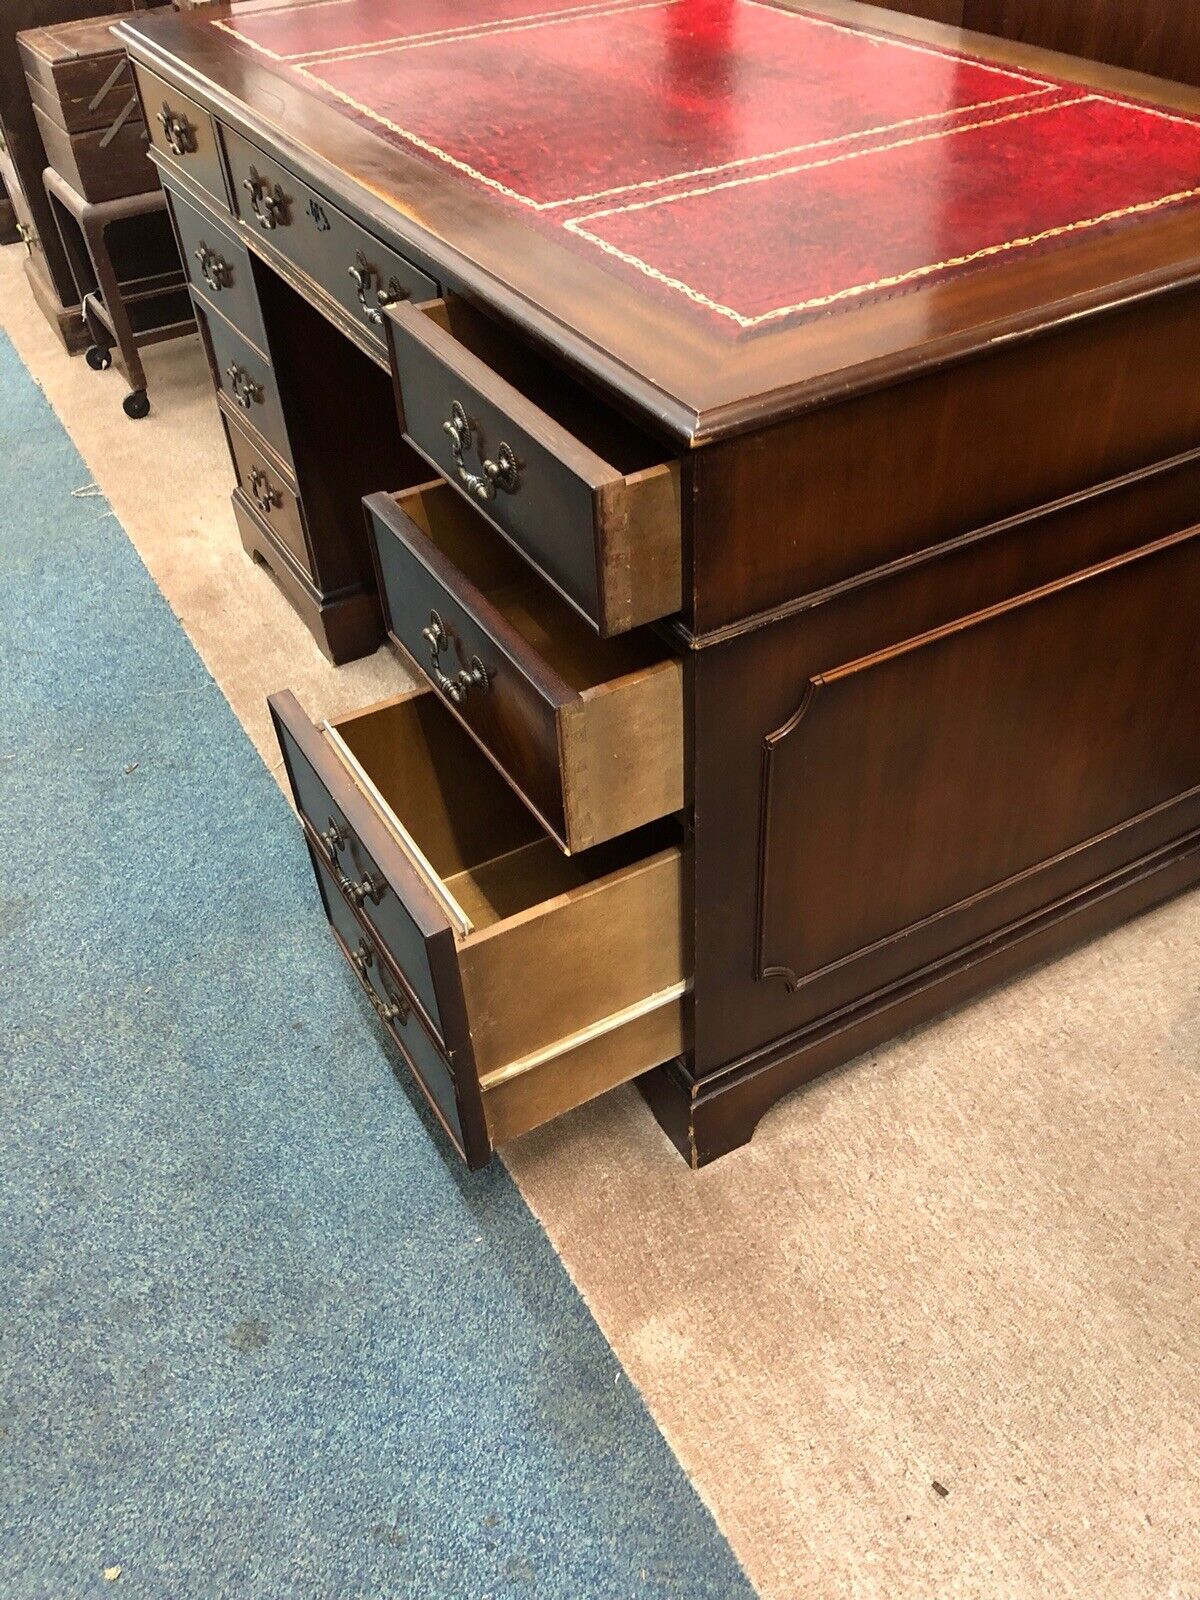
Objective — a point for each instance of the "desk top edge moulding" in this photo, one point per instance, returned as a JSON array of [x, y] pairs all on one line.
[[725, 211]]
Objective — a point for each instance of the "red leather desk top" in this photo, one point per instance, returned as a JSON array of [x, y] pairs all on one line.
[[754, 166]]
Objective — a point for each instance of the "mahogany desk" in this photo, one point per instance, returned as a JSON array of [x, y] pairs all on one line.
[[783, 448]]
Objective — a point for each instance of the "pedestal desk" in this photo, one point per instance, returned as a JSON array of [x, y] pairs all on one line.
[[781, 441]]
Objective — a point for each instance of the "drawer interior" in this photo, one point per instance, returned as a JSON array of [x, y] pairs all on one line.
[[466, 827], [549, 387], [552, 628], [554, 952]]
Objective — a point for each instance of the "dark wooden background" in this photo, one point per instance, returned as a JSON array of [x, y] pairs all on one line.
[[1157, 36]]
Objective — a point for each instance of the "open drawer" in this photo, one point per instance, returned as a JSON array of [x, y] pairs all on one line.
[[540, 979], [588, 731], [591, 501]]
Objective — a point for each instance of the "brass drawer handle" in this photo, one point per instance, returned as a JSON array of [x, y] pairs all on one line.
[[264, 494], [267, 200], [27, 236], [502, 473], [333, 838], [214, 269], [395, 1008], [179, 133], [369, 888], [458, 686], [372, 889], [366, 278], [245, 390]]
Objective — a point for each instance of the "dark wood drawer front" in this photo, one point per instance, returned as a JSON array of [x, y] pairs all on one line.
[[585, 497], [588, 731], [389, 999], [494, 695], [182, 134], [218, 267], [274, 499], [352, 841], [245, 377], [358, 273]]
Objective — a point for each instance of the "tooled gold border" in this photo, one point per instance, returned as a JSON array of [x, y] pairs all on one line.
[[576, 225]]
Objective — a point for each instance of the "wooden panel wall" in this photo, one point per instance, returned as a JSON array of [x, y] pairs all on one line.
[[948, 11], [1156, 36]]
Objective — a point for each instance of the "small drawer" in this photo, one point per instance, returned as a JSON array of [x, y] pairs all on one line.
[[546, 978], [271, 494], [354, 270], [182, 134], [588, 499], [588, 731], [218, 267], [245, 378]]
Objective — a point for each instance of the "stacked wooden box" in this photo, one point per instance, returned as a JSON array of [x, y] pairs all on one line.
[[87, 109]]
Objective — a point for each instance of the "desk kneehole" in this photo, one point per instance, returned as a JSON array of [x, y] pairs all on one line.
[[552, 978]]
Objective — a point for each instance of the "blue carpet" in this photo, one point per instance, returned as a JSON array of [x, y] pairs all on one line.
[[258, 1339]]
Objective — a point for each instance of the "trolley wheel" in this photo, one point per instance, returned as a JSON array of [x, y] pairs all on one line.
[[136, 404], [98, 358]]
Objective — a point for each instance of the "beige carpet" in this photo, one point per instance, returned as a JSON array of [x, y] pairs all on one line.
[[971, 1262]]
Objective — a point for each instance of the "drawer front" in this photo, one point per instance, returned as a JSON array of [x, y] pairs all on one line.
[[245, 378], [17, 198], [274, 499], [182, 134], [578, 490], [358, 273], [218, 268], [391, 1004], [588, 731], [352, 842], [495, 695]]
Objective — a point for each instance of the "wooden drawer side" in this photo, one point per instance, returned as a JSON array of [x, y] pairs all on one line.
[[616, 950]]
